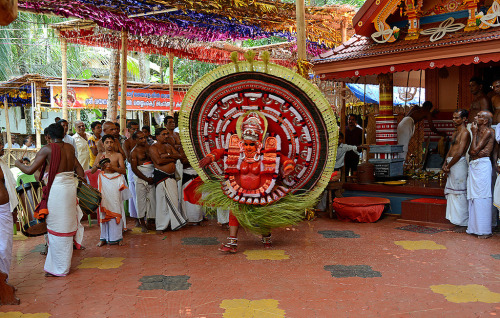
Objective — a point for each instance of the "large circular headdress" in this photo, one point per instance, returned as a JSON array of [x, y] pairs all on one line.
[[297, 114]]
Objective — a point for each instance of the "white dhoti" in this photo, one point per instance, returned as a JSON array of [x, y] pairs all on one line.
[[193, 212], [167, 211], [222, 216], [145, 193], [132, 204], [496, 198], [61, 223], [6, 233], [406, 128], [479, 196], [457, 206], [6, 222], [114, 190]]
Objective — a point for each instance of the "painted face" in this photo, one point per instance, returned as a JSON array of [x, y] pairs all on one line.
[[108, 144], [250, 148], [97, 130], [496, 87], [457, 119], [133, 129]]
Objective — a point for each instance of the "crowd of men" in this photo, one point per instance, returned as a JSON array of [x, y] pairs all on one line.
[[472, 164], [149, 173]]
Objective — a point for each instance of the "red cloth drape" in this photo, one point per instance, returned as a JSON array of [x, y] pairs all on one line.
[[359, 209]]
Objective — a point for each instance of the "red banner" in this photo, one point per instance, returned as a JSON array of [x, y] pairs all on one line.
[[97, 97]]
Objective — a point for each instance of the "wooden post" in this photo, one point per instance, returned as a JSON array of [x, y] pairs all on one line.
[[78, 114], [123, 83], [114, 78], [171, 82], [343, 28], [7, 128], [38, 115], [342, 122], [300, 16], [64, 84]]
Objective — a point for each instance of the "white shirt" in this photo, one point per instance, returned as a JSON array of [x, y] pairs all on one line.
[[30, 147], [67, 139], [14, 146], [341, 150], [83, 152]]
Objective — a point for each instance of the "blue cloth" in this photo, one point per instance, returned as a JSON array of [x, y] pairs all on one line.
[[371, 94]]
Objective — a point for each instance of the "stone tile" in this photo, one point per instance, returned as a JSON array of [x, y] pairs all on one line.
[[274, 255], [38, 249], [236, 308], [420, 245], [200, 241], [420, 229], [341, 271], [339, 234], [466, 293], [101, 262], [170, 283], [18, 314]]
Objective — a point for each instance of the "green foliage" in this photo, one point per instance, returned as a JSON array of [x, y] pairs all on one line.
[[188, 71], [29, 45]]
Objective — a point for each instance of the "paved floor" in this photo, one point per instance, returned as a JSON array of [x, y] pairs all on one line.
[[320, 268]]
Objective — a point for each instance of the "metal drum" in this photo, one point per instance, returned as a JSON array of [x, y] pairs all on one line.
[[29, 195]]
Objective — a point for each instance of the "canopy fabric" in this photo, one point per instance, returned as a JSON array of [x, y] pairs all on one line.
[[370, 95], [182, 48], [203, 20]]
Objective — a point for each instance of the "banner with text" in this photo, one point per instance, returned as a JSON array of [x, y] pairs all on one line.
[[97, 97]]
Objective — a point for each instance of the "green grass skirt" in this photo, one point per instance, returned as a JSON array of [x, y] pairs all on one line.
[[258, 218]]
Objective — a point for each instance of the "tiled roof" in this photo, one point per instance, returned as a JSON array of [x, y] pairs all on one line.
[[361, 47]]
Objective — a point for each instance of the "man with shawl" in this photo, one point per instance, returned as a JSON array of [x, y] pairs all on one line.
[[59, 202]]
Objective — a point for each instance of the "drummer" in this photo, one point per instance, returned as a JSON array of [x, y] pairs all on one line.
[[58, 208]]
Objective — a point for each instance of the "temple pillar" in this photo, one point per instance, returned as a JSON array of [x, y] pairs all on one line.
[[386, 122]]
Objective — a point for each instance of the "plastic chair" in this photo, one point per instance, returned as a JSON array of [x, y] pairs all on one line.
[[25, 178]]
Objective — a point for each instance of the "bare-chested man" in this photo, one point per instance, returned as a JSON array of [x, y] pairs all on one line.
[[143, 168], [479, 99], [164, 157], [457, 207], [8, 203], [495, 102], [109, 128], [114, 190], [128, 145], [406, 126], [479, 179], [58, 209], [193, 212]]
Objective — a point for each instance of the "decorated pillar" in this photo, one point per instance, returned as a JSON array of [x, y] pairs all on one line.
[[386, 122]]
